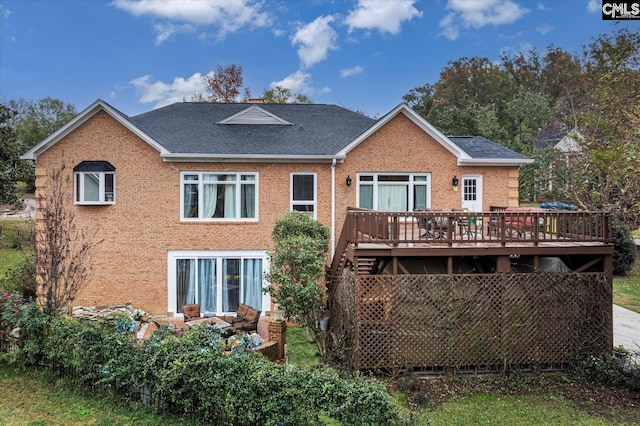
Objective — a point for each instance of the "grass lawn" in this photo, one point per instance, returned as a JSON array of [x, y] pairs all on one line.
[[626, 290], [518, 410], [32, 399]]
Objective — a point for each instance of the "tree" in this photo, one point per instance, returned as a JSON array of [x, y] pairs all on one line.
[[35, 121], [224, 85], [298, 260], [63, 250], [11, 167], [608, 117], [283, 95]]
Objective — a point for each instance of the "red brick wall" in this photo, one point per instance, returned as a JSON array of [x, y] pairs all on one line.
[[144, 223]]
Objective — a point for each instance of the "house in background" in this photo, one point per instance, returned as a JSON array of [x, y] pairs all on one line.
[[185, 196], [566, 152]]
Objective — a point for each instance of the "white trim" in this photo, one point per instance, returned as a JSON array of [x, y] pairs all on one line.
[[495, 162], [477, 204], [173, 255], [254, 115], [333, 208], [238, 200], [241, 158], [78, 198], [81, 118], [314, 202], [410, 183]]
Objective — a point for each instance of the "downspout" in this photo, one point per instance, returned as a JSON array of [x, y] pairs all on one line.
[[333, 208]]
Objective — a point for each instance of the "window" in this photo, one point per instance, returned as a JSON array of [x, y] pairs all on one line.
[[394, 192], [217, 281], [303, 193], [94, 183], [218, 196]]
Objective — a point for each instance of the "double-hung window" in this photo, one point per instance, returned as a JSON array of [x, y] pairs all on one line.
[[303, 193], [218, 196], [396, 192], [94, 183]]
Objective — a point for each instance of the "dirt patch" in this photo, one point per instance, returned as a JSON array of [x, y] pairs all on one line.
[[431, 392]]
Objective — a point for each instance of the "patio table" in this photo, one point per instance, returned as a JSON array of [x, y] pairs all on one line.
[[209, 321]]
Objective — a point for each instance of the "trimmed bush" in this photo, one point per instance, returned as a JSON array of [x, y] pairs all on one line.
[[198, 377]]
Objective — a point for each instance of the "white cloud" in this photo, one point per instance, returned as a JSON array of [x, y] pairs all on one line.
[[315, 40], [6, 13], [543, 8], [164, 31], [348, 72], [298, 82], [228, 16], [544, 28], [384, 16], [479, 13], [162, 93], [594, 6]]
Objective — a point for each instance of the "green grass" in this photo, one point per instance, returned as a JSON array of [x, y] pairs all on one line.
[[626, 290], [29, 398], [518, 410], [299, 350]]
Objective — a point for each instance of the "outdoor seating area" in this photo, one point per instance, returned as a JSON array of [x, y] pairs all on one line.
[[246, 322]]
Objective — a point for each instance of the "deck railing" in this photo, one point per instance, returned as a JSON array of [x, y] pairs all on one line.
[[500, 227]]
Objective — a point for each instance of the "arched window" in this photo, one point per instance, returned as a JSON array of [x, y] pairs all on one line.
[[94, 182]]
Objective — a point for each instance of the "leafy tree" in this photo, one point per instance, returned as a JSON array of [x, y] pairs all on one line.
[[40, 119], [11, 167], [298, 260], [63, 250], [608, 177], [225, 85], [283, 95], [35, 121]]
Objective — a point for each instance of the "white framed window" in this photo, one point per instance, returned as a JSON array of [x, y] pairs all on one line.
[[94, 183], [396, 192], [304, 193], [218, 196], [217, 280]]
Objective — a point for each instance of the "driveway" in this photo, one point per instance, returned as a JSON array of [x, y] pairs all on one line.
[[28, 211], [626, 328]]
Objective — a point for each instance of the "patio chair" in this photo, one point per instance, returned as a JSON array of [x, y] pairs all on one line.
[[240, 315], [191, 312]]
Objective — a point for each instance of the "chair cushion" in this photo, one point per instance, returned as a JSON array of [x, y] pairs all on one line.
[[242, 310], [192, 310], [252, 315]]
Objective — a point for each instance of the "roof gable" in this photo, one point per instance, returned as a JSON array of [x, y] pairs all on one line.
[[81, 118], [254, 115], [484, 152]]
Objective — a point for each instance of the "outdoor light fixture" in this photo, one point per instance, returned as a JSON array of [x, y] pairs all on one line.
[[455, 181], [349, 180]]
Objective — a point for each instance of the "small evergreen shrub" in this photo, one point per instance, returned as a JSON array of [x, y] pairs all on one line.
[[624, 248]]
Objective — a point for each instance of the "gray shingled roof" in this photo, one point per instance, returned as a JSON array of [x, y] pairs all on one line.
[[191, 128], [478, 147], [318, 130]]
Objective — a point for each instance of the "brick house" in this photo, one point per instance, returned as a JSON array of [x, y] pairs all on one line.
[[185, 196]]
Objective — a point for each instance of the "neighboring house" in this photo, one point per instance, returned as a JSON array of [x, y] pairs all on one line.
[[567, 145], [185, 196]]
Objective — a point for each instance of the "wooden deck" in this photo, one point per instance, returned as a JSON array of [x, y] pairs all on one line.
[[375, 234]]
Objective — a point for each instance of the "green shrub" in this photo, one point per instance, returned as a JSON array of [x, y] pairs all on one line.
[[195, 376], [624, 248]]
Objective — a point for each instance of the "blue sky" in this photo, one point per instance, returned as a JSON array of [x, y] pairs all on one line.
[[361, 54]]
